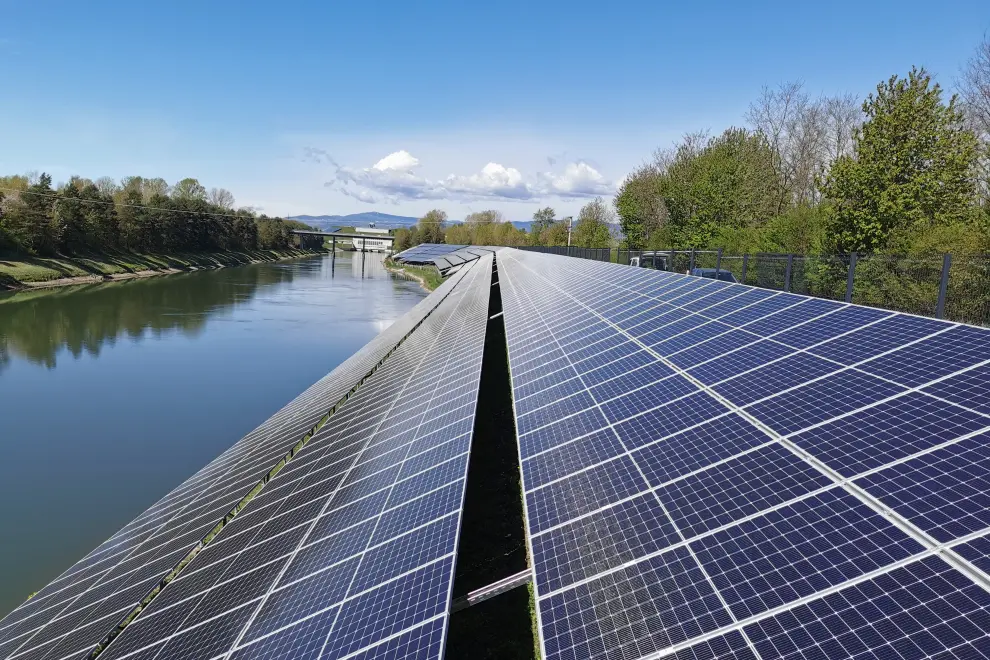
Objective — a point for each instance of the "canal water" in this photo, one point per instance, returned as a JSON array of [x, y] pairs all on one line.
[[112, 394]]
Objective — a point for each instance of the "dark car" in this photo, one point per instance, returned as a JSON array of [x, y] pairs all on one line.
[[711, 273]]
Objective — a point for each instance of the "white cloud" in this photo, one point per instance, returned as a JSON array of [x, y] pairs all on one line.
[[400, 161], [579, 180], [394, 178]]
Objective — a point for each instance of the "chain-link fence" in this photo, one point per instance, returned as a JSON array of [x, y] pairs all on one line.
[[956, 288]]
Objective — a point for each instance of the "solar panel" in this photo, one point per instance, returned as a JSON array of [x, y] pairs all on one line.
[[76, 611], [351, 546], [713, 471], [444, 257]]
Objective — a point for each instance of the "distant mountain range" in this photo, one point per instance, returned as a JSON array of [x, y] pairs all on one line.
[[381, 221]]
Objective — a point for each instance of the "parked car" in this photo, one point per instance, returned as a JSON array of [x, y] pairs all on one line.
[[712, 273], [654, 260]]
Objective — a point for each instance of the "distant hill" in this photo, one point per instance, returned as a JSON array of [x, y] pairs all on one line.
[[381, 220]]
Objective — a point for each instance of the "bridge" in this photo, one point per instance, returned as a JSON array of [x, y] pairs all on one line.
[[336, 234]]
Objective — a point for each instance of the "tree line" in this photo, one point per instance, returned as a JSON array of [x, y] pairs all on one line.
[[907, 172], [139, 214], [595, 227]]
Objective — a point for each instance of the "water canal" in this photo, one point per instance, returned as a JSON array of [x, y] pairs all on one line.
[[112, 394]]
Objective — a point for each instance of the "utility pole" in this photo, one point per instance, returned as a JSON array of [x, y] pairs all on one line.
[[570, 221]]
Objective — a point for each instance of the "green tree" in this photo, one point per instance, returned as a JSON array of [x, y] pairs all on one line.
[[542, 220], [555, 235], [431, 227], [69, 220], [593, 227], [189, 189], [30, 218], [912, 169]]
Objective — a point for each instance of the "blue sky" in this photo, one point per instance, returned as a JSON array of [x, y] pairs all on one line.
[[407, 106]]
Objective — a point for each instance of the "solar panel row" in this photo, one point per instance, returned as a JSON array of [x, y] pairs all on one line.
[[444, 257], [350, 548], [73, 613], [717, 471]]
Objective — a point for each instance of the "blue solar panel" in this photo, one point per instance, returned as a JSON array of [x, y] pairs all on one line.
[[945, 492], [923, 362], [889, 431], [370, 521], [871, 341], [587, 546], [697, 448], [738, 488], [571, 457], [601, 485], [798, 550], [821, 400], [721, 482], [970, 388], [923, 610], [828, 327], [665, 600]]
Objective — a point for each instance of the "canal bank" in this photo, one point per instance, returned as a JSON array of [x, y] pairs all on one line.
[[42, 272]]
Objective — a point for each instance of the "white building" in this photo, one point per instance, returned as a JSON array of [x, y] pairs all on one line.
[[371, 244]]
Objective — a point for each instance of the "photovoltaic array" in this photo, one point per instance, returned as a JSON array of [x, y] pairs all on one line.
[[75, 612], [716, 471], [445, 257], [709, 471], [350, 548]]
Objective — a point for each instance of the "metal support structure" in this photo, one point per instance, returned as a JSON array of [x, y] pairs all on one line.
[[787, 272], [943, 287], [718, 263], [852, 277], [492, 590], [745, 266]]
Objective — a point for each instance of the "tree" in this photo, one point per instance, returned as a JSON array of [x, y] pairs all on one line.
[[431, 227], [188, 189], [640, 205], [542, 220], [593, 228], [220, 198], [69, 220], [912, 168], [30, 218], [107, 186], [555, 235], [155, 188], [405, 238]]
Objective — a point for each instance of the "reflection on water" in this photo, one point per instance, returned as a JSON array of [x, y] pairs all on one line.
[[36, 324], [112, 394]]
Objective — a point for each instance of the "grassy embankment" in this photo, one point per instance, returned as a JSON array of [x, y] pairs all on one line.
[[428, 276], [25, 271]]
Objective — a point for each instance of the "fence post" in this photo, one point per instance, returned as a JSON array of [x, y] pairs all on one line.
[[670, 263], [745, 266], [718, 263], [787, 273], [943, 286], [852, 277], [692, 259]]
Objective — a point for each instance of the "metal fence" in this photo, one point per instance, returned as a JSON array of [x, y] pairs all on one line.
[[951, 287]]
